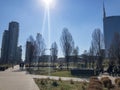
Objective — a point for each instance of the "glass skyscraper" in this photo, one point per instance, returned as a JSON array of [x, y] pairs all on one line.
[[111, 25]]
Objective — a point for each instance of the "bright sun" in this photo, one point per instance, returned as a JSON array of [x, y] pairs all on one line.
[[48, 3]]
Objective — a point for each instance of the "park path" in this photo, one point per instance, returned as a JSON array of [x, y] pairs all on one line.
[[14, 79], [62, 78]]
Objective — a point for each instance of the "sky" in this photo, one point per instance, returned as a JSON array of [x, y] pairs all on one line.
[[81, 17]]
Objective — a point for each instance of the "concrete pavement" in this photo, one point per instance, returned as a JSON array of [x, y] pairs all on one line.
[[14, 79], [62, 78]]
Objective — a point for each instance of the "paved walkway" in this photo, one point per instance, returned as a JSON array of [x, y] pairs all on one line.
[[62, 78], [14, 79]]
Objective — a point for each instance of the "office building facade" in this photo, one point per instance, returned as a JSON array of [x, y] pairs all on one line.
[[111, 25]]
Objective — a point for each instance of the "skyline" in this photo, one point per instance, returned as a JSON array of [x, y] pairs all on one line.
[[80, 23]]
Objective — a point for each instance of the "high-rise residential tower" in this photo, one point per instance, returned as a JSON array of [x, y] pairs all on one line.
[[5, 47], [10, 43], [13, 40]]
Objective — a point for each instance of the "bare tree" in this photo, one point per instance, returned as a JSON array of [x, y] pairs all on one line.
[[85, 57], [54, 52], [98, 44], [114, 50], [92, 55], [75, 54], [31, 39], [67, 45], [39, 47]]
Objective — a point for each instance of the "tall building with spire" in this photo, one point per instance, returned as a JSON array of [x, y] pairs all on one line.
[[104, 13], [111, 25]]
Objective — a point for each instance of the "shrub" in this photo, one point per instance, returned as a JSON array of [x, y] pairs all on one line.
[[83, 87], [48, 78], [60, 79], [93, 78], [95, 87], [95, 84], [62, 88], [117, 82], [106, 82], [71, 81], [55, 83], [42, 82], [84, 83]]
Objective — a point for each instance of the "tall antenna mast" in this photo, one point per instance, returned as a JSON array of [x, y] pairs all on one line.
[[104, 12]]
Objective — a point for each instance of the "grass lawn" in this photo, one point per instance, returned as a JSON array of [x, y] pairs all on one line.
[[67, 74], [62, 74], [59, 73], [48, 84], [44, 71]]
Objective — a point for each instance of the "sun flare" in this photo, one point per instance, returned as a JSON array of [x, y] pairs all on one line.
[[48, 3]]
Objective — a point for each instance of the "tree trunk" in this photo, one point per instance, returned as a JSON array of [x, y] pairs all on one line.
[[67, 62]]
